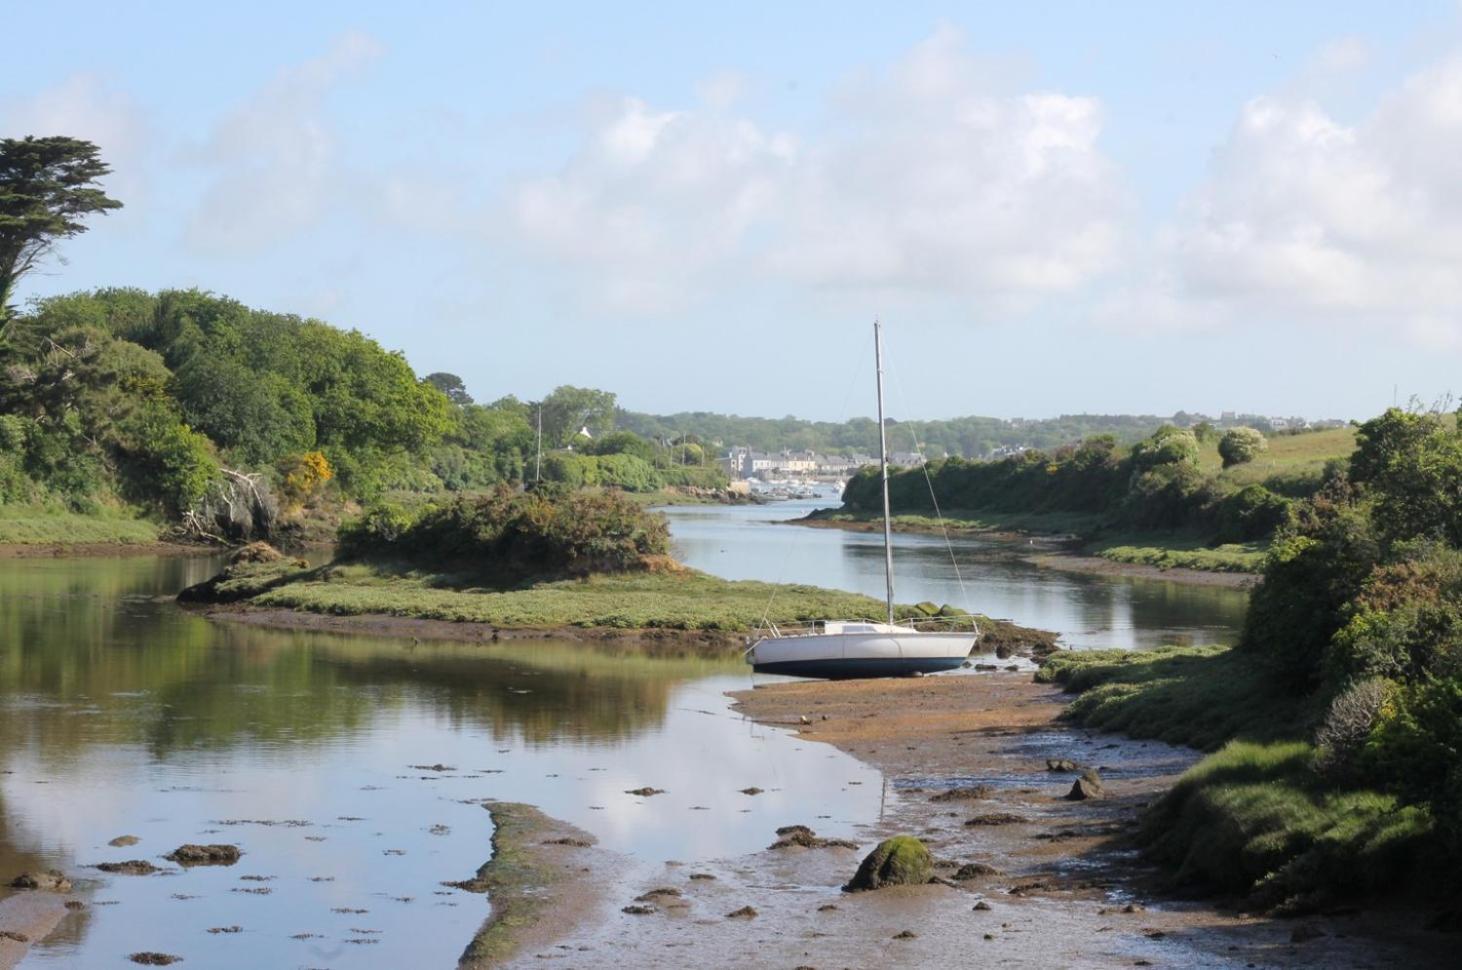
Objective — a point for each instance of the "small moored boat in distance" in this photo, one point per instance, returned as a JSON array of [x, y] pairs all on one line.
[[865, 648]]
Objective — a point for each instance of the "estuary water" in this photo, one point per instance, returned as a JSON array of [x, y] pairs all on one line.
[[983, 575], [351, 770]]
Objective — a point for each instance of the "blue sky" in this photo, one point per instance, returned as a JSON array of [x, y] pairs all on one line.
[[1059, 207]]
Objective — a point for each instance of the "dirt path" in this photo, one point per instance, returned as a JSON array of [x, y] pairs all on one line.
[[1063, 892]]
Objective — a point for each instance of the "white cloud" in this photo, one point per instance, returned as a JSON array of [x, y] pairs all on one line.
[[922, 180], [1304, 216], [87, 106], [273, 162]]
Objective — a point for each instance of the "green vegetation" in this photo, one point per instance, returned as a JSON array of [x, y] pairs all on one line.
[[1164, 502], [965, 437], [1340, 711], [228, 422], [42, 527]]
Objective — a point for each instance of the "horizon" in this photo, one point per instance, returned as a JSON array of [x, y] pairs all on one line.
[[1143, 213]]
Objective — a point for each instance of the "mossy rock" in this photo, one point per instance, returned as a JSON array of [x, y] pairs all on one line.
[[927, 608], [900, 861]]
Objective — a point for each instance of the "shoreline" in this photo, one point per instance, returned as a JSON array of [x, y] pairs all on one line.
[[1061, 888], [102, 550], [1056, 551], [387, 625]]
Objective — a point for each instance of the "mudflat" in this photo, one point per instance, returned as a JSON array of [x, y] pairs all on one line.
[[981, 770]]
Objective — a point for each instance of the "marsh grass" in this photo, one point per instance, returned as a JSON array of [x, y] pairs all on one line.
[[679, 599], [1253, 818], [1181, 552], [31, 526]]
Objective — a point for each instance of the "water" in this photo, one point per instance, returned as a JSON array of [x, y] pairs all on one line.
[[122, 714], [753, 542]]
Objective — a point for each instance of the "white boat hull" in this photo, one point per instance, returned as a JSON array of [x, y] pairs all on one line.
[[881, 652]]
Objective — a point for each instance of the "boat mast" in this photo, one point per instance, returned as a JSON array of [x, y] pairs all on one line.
[[883, 472]]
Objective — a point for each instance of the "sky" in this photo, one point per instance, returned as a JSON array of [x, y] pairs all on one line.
[[1054, 208]]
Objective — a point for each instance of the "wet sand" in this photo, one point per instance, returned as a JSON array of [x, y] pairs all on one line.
[[1065, 890]]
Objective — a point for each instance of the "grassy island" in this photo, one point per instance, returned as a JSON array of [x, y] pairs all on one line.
[[543, 561]]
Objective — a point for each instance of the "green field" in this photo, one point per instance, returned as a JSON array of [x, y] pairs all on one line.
[[1288, 454], [29, 526]]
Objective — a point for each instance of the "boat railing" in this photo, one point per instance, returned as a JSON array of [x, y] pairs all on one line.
[[924, 624]]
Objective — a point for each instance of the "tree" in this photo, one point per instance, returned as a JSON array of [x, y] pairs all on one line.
[[1240, 445], [450, 385], [47, 185], [569, 408]]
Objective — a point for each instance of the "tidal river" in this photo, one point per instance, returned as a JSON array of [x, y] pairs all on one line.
[[350, 770]]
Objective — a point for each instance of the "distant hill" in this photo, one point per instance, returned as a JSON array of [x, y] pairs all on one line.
[[965, 437]]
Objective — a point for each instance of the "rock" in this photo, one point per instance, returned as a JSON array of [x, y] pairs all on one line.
[[827, 907], [255, 552], [972, 793], [52, 880], [569, 840], [1304, 933], [975, 870], [745, 912], [803, 837], [753, 790], [996, 818], [148, 958], [132, 867], [225, 929], [899, 861], [1061, 764], [639, 910], [75, 904], [986, 667], [645, 792], [982, 907], [906, 935], [701, 875], [660, 893], [1133, 908], [18, 937], [122, 841], [204, 855], [1089, 785], [1013, 668]]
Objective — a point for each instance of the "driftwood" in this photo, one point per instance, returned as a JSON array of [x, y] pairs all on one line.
[[238, 507]]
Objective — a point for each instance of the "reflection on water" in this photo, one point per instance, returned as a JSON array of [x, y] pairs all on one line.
[[124, 715], [745, 542]]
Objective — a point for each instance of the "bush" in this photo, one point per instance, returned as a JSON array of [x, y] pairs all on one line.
[[1240, 445], [1348, 725], [1415, 752], [515, 536], [1253, 512]]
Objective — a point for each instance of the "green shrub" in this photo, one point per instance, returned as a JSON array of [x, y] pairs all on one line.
[[514, 536], [1240, 445], [1253, 512]]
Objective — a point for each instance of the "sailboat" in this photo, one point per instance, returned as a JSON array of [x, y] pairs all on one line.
[[841, 649]]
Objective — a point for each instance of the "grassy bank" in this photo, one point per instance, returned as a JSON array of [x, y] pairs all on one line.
[[41, 527], [667, 598], [1159, 550], [1256, 818]]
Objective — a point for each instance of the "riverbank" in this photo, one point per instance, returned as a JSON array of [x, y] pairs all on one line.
[[1076, 543], [1027, 876], [32, 531]]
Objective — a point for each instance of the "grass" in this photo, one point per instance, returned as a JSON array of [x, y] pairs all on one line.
[[1287, 455], [973, 520], [1253, 818], [31, 526], [1181, 552], [676, 599]]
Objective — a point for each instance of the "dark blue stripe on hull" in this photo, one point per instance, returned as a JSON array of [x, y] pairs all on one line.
[[849, 668]]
